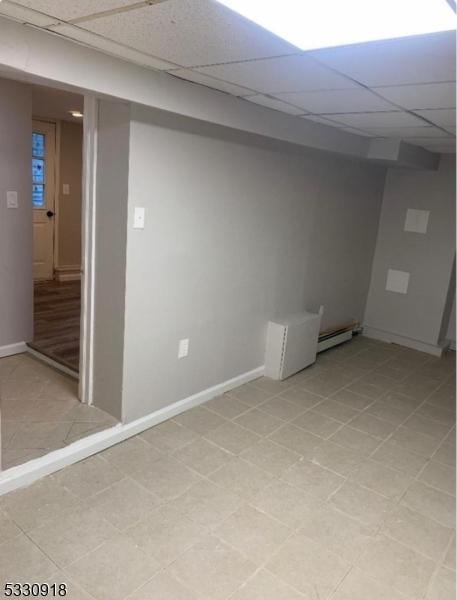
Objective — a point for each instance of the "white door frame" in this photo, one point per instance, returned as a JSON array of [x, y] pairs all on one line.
[[86, 354], [88, 199]]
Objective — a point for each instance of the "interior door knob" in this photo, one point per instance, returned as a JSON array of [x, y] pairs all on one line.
[[49, 214]]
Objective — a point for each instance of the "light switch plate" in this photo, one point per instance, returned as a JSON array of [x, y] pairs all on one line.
[[11, 200], [397, 281], [66, 189], [416, 220], [138, 217], [183, 348]]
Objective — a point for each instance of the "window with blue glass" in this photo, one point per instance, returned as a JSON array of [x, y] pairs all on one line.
[[38, 144], [38, 170]]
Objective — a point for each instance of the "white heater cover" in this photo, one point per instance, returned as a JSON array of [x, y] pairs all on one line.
[[291, 344]]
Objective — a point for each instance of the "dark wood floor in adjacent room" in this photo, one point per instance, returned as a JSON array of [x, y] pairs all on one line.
[[57, 309]]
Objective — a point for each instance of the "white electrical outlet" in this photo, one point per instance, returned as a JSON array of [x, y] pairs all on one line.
[[183, 348], [66, 189], [138, 217], [11, 200]]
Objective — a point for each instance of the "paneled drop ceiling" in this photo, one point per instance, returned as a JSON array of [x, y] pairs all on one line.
[[402, 88]]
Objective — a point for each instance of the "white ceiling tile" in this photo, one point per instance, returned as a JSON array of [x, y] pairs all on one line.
[[430, 142], [216, 84], [95, 41], [357, 131], [426, 95], [69, 9], [284, 74], [444, 117], [417, 59], [322, 120], [368, 120], [443, 149], [25, 15], [407, 132], [275, 104], [338, 101], [190, 33]]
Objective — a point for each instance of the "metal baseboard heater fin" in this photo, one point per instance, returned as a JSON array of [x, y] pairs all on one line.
[[337, 335], [333, 340], [291, 344]]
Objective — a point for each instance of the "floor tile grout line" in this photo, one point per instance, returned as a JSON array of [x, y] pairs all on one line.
[[263, 564], [382, 441], [398, 503], [344, 424], [245, 501], [440, 563], [346, 479], [239, 551], [435, 561]]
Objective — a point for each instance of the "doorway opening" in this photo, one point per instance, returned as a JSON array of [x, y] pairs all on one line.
[[49, 235], [57, 149]]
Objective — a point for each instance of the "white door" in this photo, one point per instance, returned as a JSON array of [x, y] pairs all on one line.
[[43, 190]]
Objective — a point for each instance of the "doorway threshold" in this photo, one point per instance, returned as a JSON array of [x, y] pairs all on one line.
[[60, 366]]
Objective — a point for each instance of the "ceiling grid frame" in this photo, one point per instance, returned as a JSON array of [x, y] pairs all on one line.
[[428, 120]]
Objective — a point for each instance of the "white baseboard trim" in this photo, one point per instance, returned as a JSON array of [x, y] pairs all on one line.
[[68, 273], [451, 345], [61, 277], [393, 338], [11, 349], [52, 363], [32, 470]]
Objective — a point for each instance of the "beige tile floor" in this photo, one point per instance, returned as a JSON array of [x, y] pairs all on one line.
[[338, 483], [40, 410]]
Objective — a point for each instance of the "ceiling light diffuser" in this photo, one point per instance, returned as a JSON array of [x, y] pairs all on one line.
[[76, 113], [312, 24]]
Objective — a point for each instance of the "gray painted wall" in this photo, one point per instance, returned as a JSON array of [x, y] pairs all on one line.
[[429, 257], [235, 235], [69, 215], [16, 285], [111, 216]]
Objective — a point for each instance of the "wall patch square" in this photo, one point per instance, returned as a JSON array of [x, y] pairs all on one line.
[[416, 220], [397, 281]]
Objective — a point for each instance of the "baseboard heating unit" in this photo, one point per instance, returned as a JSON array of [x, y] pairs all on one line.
[[336, 336], [291, 344]]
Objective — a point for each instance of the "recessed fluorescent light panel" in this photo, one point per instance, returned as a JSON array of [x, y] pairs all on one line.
[[312, 24]]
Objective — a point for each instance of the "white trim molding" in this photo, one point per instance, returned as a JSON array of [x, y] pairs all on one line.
[[401, 340], [32, 470], [68, 273], [11, 349], [89, 180]]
